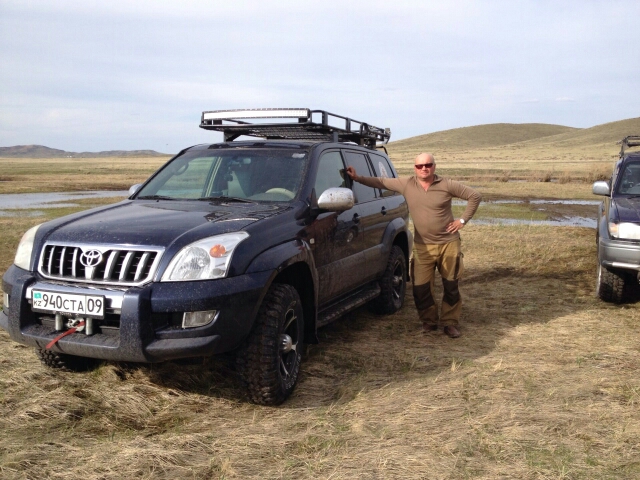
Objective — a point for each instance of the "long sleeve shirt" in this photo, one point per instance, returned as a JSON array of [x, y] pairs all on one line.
[[430, 209]]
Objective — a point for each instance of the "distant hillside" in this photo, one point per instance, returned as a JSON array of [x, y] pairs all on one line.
[[481, 136], [39, 151], [606, 134], [534, 135]]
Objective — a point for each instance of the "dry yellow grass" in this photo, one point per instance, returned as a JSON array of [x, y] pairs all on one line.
[[544, 384], [32, 175]]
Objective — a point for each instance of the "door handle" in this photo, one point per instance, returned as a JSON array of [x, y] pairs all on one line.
[[356, 218], [383, 211]]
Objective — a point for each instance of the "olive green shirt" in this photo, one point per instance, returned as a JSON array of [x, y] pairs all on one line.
[[430, 209]]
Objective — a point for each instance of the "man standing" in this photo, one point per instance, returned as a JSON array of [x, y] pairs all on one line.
[[437, 241]]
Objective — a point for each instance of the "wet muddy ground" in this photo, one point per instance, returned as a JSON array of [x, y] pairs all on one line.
[[505, 211], [31, 204], [532, 211]]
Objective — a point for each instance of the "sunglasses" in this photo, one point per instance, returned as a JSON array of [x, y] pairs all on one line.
[[420, 166]]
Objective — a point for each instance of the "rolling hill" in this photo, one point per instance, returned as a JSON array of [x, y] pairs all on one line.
[[40, 151], [481, 136], [507, 135], [605, 134]]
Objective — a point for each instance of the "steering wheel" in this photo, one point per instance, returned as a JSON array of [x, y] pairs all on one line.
[[282, 191]]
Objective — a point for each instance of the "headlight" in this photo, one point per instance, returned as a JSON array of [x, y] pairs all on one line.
[[205, 259], [23, 254], [625, 230]]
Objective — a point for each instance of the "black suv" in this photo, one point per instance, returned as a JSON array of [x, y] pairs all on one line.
[[245, 246], [618, 231]]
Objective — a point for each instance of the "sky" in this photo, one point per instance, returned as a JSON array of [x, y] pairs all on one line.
[[129, 75]]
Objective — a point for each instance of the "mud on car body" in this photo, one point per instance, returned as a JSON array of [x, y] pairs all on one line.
[[244, 246], [618, 229]]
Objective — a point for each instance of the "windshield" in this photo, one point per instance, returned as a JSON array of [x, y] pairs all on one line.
[[272, 175], [629, 182]]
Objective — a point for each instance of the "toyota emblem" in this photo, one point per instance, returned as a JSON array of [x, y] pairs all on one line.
[[91, 258]]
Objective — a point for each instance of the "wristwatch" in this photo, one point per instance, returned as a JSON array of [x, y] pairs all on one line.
[[462, 221]]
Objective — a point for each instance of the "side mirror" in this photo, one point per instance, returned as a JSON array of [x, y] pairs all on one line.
[[134, 188], [601, 188], [336, 199]]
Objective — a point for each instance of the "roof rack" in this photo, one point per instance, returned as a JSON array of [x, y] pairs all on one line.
[[327, 126], [628, 142]]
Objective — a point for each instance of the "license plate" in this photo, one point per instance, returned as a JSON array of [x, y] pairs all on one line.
[[79, 305]]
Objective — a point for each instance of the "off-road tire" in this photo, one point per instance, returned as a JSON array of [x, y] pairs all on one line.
[[393, 284], [610, 285], [68, 363], [269, 364]]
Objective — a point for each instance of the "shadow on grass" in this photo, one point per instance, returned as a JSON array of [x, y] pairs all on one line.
[[364, 351]]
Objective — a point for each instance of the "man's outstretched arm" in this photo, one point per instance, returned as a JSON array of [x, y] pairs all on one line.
[[395, 184]]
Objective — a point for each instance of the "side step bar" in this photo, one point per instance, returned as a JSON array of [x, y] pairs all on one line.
[[337, 310]]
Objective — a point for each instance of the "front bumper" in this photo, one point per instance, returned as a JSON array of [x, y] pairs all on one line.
[[144, 317], [619, 254]]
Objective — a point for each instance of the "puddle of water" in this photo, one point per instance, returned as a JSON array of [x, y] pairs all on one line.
[[566, 202], [569, 213], [13, 201], [19, 213], [565, 222], [536, 202]]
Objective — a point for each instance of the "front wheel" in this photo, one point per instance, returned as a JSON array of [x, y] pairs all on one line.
[[65, 362], [393, 283], [610, 285], [270, 361]]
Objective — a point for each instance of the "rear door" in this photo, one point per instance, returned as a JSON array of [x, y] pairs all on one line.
[[374, 216]]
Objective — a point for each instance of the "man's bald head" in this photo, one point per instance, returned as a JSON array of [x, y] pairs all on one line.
[[424, 158]]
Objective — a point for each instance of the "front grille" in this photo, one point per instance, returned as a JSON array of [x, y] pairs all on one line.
[[126, 265]]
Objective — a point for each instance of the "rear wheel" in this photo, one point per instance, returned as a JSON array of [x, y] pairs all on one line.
[[270, 361], [62, 361], [393, 284], [610, 285]]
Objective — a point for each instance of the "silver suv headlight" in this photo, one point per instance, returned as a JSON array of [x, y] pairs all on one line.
[[624, 230], [25, 247], [205, 259]]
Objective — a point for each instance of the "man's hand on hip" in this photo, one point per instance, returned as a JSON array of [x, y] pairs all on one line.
[[454, 226]]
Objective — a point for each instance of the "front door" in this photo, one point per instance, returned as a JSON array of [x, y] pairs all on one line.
[[335, 239]]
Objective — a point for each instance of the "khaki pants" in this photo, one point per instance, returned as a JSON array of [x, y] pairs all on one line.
[[447, 258]]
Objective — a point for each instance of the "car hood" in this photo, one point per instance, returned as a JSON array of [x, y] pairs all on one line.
[[158, 223], [628, 209]]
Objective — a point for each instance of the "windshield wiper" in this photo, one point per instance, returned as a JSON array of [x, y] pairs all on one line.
[[224, 198], [155, 197]]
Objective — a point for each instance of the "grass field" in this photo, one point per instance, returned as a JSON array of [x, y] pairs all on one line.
[[543, 384], [34, 175]]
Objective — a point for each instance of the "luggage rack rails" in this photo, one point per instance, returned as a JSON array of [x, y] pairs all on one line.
[[628, 142], [301, 126]]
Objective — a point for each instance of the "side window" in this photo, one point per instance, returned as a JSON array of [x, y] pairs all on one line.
[[330, 172], [382, 168], [360, 163], [630, 179]]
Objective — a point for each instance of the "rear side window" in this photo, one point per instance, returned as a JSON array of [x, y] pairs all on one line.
[[360, 163], [382, 168]]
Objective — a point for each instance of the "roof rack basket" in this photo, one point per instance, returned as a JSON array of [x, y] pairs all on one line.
[[302, 124], [628, 142]]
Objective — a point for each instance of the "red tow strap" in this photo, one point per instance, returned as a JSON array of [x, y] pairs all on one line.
[[68, 332]]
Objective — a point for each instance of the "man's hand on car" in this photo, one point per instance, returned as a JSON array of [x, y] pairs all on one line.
[[352, 173]]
